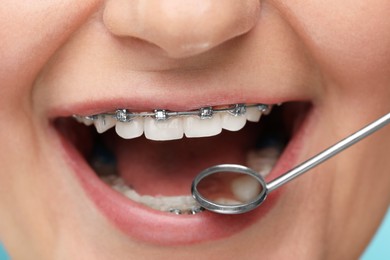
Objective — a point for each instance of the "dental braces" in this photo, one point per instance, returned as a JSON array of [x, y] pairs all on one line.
[[192, 211], [124, 115]]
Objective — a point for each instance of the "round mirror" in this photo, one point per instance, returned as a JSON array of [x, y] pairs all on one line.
[[229, 189]]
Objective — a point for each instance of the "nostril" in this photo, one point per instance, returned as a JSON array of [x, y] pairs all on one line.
[[181, 28]]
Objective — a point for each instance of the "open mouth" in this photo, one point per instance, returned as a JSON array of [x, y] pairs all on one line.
[[150, 158]]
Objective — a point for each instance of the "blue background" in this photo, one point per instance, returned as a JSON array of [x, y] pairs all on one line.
[[379, 248]]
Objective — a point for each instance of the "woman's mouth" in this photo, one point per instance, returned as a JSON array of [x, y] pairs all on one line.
[[138, 166]]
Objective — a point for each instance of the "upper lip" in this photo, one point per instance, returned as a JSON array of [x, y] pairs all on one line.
[[77, 93], [172, 101]]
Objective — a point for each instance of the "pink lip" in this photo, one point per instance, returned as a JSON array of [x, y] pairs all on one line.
[[142, 104], [157, 227]]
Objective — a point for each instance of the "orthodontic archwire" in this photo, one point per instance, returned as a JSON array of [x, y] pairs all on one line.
[[124, 115]]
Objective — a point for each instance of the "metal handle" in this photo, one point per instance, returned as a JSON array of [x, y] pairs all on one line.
[[328, 153]]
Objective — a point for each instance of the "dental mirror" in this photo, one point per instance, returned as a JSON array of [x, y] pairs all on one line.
[[209, 187]]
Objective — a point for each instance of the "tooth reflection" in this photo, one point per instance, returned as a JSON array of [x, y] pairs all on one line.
[[245, 188]]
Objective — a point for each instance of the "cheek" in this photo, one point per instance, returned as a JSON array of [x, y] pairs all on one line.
[[30, 32], [349, 38]]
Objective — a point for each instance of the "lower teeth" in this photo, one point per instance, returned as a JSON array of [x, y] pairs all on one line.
[[173, 204], [262, 161]]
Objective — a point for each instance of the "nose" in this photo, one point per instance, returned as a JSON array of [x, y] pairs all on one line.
[[181, 28]]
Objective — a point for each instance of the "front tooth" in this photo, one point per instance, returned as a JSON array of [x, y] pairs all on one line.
[[169, 129], [132, 129], [233, 123], [245, 188], [197, 127], [253, 114], [103, 123]]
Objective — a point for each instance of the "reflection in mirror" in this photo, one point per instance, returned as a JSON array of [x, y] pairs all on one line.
[[228, 188]]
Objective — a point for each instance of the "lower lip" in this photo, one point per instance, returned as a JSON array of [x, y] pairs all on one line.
[[160, 228]]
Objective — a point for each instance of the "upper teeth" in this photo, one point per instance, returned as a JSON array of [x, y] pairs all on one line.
[[169, 125]]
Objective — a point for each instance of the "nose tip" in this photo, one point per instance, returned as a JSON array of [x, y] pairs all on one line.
[[181, 28]]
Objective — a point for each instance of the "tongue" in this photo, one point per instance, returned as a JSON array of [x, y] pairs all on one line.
[[168, 168]]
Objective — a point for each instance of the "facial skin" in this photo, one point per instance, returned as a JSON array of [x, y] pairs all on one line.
[[55, 54]]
